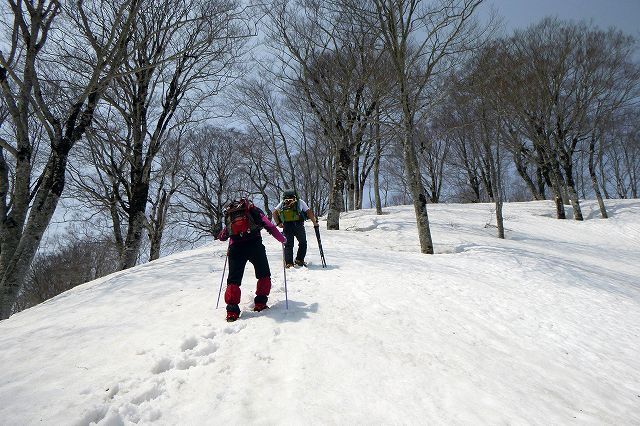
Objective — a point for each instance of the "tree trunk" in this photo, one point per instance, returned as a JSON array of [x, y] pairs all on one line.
[[493, 163], [485, 173], [376, 170], [351, 193], [594, 179], [631, 163], [499, 217], [417, 191], [560, 213], [571, 190], [356, 182], [343, 163], [361, 183], [522, 171], [137, 221], [540, 181], [133, 241], [575, 202], [557, 198], [497, 181], [17, 253], [557, 185], [156, 244], [470, 170], [117, 223], [157, 221], [603, 175]]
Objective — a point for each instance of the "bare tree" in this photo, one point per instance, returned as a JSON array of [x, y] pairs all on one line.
[[260, 105], [215, 176], [165, 182], [258, 168], [377, 137], [455, 119], [433, 153], [422, 40], [561, 79], [314, 159], [476, 117], [56, 76], [187, 52], [619, 154], [328, 58]]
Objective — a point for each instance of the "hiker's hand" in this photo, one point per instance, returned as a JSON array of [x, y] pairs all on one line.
[[216, 230], [316, 225], [280, 225]]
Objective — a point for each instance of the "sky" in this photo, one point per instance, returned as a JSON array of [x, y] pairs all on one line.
[[540, 328], [623, 14]]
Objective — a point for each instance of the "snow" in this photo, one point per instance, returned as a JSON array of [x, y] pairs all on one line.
[[540, 328]]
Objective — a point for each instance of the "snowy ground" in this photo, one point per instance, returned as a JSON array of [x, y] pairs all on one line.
[[542, 328]]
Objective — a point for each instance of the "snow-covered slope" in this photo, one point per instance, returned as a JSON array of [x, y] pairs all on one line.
[[541, 328]]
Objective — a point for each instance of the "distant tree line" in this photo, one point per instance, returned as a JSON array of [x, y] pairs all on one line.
[[145, 117]]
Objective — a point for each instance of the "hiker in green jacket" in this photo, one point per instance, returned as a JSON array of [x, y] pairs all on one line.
[[290, 215]]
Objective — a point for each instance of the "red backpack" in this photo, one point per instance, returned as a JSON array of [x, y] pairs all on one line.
[[238, 218]]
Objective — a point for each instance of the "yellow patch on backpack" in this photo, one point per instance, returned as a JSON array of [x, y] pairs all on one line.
[[290, 211]]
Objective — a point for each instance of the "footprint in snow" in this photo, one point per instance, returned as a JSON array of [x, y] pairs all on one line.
[[186, 363], [151, 392], [189, 343], [206, 348], [162, 365], [126, 403], [236, 328]]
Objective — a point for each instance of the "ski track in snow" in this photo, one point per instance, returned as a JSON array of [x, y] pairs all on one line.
[[541, 328]]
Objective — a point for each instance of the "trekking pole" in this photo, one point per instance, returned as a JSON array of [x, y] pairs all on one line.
[[284, 270], [224, 268], [324, 262]]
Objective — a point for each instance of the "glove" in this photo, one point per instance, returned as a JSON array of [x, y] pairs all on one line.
[[216, 230], [222, 236]]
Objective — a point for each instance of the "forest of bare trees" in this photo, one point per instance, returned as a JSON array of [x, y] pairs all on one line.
[[141, 119]]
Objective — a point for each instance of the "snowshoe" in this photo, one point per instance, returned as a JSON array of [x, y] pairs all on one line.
[[232, 316], [301, 263]]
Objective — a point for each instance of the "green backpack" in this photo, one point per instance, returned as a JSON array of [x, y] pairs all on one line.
[[290, 211]]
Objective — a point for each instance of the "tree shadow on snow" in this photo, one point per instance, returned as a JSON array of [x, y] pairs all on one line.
[[613, 209]]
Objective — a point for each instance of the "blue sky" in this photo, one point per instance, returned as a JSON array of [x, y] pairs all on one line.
[[623, 14]]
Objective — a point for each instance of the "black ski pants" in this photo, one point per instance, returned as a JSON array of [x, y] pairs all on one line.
[[291, 230], [247, 251]]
